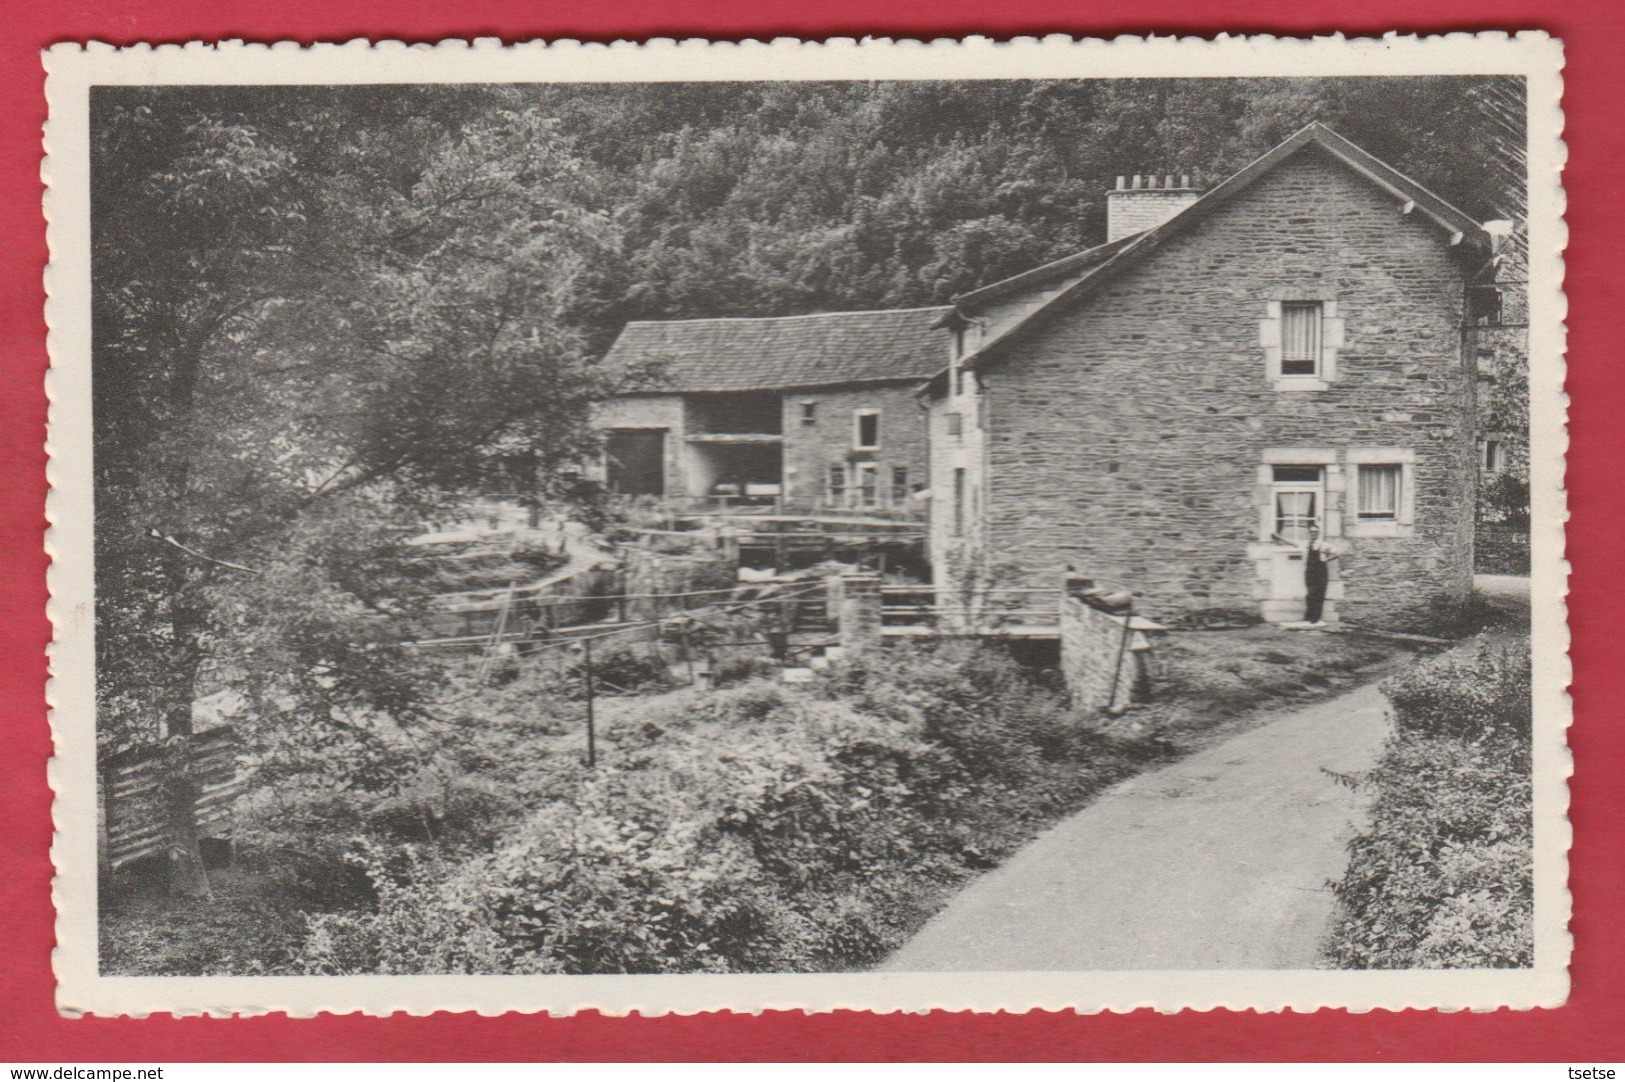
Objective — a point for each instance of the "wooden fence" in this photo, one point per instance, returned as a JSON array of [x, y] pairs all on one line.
[[136, 786]]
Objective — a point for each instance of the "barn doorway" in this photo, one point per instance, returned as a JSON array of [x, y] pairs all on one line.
[[635, 461]]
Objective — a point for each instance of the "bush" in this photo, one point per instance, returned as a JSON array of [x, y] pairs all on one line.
[[706, 856], [1443, 878], [1481, 692]]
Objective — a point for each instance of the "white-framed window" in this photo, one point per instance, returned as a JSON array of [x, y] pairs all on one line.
[[837, 486], [866, 430], [1301, 336], [809, 412], [867, 484], [899, 486], [1301, 339], [1376, 496], [956, 425], [1382, 492]]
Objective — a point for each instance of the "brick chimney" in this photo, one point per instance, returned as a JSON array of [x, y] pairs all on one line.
[[1139, 203]]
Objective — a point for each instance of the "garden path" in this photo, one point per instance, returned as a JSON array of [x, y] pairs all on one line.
[[1219, 861]]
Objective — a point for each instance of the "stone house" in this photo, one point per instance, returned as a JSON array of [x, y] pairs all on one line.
[[806, 413], [1230, 368]]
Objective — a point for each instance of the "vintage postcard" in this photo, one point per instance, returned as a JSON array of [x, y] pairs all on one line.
[[882, 525]]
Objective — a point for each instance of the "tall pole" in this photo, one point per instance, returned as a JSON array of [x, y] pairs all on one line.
[[586, 675]]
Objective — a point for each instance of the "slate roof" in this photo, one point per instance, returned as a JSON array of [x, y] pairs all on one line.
[[778, 353]]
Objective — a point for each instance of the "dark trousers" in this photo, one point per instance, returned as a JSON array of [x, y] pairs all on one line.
[[1315, 600]]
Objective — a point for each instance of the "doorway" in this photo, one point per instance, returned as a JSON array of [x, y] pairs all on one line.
[[635, 460], [1298, 504]]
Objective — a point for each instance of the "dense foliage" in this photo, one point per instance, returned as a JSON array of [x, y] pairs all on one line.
[[1443, 876]]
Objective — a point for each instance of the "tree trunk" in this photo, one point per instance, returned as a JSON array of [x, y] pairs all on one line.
[[187, 876]]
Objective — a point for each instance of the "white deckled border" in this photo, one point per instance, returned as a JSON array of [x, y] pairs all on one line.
[[73, 69]]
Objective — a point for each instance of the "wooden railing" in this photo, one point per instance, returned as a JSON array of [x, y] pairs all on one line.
[[985, 611]]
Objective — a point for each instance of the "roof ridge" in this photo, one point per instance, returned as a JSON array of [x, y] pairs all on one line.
[[777, 319]]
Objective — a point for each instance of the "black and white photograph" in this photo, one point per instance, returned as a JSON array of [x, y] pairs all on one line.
[[891, 528]]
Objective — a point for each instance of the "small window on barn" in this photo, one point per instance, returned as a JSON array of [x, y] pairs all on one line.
[[1301, 335], [809, 413], [956, 425], [1378, 493], [837, 486], [866, 430]]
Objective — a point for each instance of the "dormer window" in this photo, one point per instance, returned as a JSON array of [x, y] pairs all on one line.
[[1301, 338]]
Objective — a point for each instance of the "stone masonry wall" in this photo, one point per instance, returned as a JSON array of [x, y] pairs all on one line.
[[811, 449], [1093, 644], [1127, 436]]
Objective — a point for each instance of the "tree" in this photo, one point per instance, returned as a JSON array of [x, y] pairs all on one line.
[[306, 334]]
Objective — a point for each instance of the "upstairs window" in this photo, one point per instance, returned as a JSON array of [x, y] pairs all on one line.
[[1301, 338], [866, 430], [956, 425], [809, 413], [1378, 495], [1495, 456]]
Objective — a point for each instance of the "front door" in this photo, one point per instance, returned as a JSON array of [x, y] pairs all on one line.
[[1298, 500]]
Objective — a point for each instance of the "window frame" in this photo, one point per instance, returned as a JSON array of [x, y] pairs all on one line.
[[1271, 337], [809, 411], [1389, 514], [858, 417], [866, 485], [1315, 356], [835, 487], [899, 486], [1403, 522]]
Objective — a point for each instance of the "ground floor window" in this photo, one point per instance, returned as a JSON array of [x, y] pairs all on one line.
[[899, 486], [868, 484], [1378, 492]]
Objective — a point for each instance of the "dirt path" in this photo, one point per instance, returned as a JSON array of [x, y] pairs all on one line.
[[1220, 861]]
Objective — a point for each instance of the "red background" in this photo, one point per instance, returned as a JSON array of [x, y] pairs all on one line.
[[1587, 1029]]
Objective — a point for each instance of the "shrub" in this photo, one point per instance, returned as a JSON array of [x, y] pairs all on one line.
[[1477, 693], [710, 856], [1443, 877]]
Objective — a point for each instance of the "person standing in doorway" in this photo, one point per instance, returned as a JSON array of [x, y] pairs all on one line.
[[1317, 558]]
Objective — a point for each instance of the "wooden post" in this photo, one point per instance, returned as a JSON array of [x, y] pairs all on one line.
[[586, 676]]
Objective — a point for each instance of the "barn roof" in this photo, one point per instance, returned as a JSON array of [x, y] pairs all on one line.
[[779, 352]]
